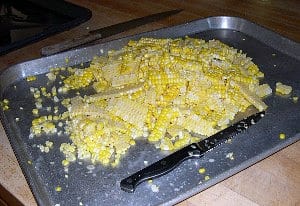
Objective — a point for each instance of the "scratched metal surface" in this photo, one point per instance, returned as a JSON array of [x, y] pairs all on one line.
[[101, 186]]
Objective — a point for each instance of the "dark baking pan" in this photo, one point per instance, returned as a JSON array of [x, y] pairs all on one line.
[[26, 21], [277, 56]]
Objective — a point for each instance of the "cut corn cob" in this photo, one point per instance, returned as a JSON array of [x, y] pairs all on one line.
[[263, 90], [113, 92], [251, 97], [128, 110]]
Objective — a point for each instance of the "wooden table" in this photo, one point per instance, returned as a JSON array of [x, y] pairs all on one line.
[[273, 181]]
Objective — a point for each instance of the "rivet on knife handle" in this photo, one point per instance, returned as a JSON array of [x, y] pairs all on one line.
[[195, 150]]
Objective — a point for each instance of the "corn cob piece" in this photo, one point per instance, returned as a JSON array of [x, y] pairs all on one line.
[[196, 124], [78, 107], [112, 93], [251, 97], [123, 80], [128, 110], [110, 70], [263, 90], [167, 115]]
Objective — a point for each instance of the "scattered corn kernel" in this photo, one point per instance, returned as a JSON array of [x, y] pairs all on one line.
[[4, 104], [49, 144], [230, 156], [154, 188], [295, 99], [58, 189], [206, 178], [282, 136], [30, 78], [51, 76], [202, 170], [65, 163]]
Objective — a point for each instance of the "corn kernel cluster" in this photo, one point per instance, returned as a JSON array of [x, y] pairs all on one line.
[[31, 78], [45, 148], [4, 104], [171, 91], [283, 89], [43, 124]]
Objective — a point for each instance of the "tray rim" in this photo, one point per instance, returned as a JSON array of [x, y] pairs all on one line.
[[42, 200]]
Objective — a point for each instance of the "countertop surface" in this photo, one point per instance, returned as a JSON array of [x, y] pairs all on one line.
[[272, 181]]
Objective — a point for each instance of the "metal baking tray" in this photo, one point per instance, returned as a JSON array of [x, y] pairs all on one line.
[[277, 56]]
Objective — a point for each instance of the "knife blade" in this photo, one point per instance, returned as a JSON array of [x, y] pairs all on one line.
[[105, 32], [195, 150]]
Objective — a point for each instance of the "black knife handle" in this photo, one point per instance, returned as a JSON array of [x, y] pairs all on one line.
[[195, 150], [161, 167]]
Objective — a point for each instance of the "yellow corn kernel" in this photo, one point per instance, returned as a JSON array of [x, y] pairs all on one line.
[[58, 189], [132, 142], [80, 79], [282, 136], [295, 99], [4, 104], [30, 78], [49, 144], [35, 111], [166, 144], [65, 163], [202, 170]]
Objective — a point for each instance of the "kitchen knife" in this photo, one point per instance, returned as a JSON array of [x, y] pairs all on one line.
[[105, 32], [195, 150]]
